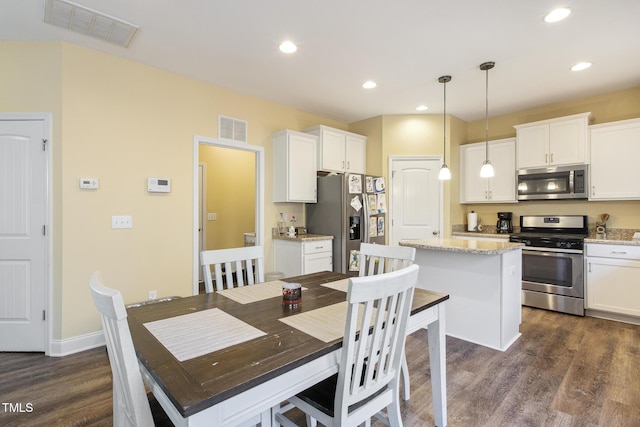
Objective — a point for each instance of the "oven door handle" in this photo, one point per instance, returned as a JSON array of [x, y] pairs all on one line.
[[557, 250]]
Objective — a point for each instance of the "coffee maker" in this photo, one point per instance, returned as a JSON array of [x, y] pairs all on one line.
[[504, 224]]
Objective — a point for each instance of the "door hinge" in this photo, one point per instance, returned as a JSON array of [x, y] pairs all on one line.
[[44, 144], [44, 315], [44, 230]]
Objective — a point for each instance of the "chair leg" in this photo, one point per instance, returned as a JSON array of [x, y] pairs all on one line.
[[406, 386], [393, 414]]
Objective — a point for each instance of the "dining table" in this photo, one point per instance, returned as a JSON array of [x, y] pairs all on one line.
[[228, 357]]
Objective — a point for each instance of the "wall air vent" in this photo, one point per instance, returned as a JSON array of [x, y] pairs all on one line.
[[230, 128], [80, 19]]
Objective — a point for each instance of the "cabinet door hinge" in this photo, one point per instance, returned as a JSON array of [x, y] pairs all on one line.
[[44, 144]]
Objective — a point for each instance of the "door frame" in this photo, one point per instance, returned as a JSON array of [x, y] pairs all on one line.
[[47, 118], [259, 186], [392, 160]]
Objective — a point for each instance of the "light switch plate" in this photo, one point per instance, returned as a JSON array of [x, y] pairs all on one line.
[[212, 216]]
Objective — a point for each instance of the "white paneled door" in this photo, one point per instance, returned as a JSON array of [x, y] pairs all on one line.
[[415, 199], [23, 234]]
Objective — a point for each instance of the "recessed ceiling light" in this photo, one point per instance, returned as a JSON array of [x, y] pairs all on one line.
[[369, 84], [288, 47], [557, 15], [422, 108], [581, 66]]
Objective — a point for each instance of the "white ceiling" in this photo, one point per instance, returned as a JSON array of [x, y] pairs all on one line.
[[404, 45]]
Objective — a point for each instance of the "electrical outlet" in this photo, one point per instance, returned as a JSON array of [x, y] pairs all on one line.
[[212, 216], [121, 221], [153, 294]]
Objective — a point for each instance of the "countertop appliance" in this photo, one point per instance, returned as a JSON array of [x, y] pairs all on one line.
[[562, 182], [553, 261], [352, 209], [504, 224]]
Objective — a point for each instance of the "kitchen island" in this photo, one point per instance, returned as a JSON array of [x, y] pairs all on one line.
[[483, 280]]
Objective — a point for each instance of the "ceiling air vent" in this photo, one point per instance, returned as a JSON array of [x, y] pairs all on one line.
[[86, 21], [230, 128]]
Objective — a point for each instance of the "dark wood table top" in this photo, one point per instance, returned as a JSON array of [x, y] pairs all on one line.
[[201, 382]]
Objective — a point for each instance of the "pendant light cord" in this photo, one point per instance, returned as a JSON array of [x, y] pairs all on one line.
[[486, 114]]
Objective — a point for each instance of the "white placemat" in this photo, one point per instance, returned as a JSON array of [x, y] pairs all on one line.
[[326, 323], [252, 293], [339, 285], [192, 335]]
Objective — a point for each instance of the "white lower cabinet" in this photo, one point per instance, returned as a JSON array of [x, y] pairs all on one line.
[[296, 257], [613, 278]]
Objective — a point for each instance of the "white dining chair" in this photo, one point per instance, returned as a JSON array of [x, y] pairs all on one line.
[[130, 402], [232, 267], [369, 368], [377, 259]]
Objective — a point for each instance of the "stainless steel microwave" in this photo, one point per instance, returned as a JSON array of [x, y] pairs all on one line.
[[557, 183]]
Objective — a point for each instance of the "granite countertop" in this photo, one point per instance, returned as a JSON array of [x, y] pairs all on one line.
[[304, 237], [482, 247], [611, 241], [480, 234]]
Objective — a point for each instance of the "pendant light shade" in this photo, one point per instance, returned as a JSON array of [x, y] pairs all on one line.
[[445, 173], [487, 167]]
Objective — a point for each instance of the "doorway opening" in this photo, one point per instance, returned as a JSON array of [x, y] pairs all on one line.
[[234, 209]]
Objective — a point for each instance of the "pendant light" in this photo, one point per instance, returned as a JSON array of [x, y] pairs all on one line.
[[445, 173], [487, 168]]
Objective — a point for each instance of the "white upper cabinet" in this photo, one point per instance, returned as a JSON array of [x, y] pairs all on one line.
[[554, 142], [501, 188], [294, 167], [615, 154], [340, 151]]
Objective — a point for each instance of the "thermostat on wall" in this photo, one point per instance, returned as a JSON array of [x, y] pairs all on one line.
[[89, 183], [158, 185]]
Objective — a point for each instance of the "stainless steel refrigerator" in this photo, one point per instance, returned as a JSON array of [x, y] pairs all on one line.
[[351, 208]]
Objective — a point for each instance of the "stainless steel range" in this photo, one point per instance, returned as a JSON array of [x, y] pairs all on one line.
[[553, 261]]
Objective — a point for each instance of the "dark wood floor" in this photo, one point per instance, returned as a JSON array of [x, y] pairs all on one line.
[[563, 371]]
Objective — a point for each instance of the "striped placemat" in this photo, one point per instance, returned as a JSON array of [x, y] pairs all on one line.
[[252, 293], [339, 285], [326, 323], [194, 334]]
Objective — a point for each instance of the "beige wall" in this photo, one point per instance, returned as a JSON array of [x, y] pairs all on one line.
[[234, 203], [122, 122]]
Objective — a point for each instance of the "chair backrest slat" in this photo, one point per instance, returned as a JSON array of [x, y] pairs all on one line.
[[378, 259], [232, 267]]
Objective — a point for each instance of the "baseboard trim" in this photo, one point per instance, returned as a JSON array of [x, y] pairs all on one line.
[[625, 318], [65, 347]]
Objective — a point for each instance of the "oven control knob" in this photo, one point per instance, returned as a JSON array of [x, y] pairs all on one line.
[[559, 244]]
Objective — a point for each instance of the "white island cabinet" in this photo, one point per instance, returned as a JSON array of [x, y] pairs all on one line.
[[483, 280]]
